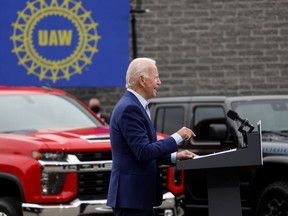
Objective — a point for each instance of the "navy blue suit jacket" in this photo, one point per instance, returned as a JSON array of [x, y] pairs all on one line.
[[135, 181]]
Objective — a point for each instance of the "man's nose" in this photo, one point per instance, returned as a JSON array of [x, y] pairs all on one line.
[[159, 81]]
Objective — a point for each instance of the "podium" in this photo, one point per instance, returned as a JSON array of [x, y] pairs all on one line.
[[223, 175]]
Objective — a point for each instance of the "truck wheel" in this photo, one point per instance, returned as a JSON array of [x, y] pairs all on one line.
[[273, 200], [10, 206]]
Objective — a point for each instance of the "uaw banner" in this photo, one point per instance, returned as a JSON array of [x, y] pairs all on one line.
[[64, 43]]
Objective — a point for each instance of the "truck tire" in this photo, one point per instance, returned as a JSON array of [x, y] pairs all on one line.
[[273, 200], [10, 206]]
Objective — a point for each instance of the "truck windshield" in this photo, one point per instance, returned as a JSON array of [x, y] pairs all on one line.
[[272, 113], [39, 111]]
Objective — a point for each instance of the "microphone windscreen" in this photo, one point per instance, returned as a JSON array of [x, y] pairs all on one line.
[[232, 114]]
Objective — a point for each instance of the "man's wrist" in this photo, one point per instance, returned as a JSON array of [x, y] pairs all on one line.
[[173, 157], [178, 139]]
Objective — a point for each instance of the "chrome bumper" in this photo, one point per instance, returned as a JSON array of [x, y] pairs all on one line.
[[76, 207], [89, 207]]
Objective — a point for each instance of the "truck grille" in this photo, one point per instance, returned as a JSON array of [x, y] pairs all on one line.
[[93, 185], [94, 156]]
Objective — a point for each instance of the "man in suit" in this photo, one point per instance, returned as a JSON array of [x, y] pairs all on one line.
[[135, 184]]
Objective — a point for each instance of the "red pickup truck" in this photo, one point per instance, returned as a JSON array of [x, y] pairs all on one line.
[[55, 157]]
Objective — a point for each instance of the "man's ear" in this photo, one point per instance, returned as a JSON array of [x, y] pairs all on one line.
[[142, 80]]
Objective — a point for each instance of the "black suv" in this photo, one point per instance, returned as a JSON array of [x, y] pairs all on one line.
[[264, 188]]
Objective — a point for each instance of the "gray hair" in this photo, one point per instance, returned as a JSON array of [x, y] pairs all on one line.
[[137, 67]]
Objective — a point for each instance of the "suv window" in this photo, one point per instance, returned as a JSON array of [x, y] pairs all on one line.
[[169, 119], [204, 118]]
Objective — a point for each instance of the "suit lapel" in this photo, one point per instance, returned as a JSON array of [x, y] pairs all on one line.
[[151, 128]]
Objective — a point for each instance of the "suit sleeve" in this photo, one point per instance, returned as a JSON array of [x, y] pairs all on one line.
[[138, 135]]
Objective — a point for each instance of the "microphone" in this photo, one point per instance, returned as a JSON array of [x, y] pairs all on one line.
[[234, 116]]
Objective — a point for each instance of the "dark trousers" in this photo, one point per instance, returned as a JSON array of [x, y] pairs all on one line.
[[132, 212]]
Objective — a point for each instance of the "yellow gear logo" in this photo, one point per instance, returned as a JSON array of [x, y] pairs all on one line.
[[54, 39]]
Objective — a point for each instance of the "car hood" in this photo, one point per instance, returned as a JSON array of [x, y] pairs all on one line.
[[85, 139]]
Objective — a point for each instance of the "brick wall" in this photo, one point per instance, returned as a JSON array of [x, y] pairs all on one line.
[[211, 47]]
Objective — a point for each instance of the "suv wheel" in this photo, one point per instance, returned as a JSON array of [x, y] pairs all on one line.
[[273, 200], [10, 206]]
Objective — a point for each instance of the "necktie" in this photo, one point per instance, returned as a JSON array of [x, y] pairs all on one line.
[[147, 110]]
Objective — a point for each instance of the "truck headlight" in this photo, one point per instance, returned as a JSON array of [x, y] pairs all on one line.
[[52, 183], [49, 156]]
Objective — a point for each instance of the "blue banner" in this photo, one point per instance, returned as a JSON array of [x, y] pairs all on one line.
[[64, 43]]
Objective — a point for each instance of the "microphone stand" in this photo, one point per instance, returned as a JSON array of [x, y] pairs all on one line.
[[244, 132]]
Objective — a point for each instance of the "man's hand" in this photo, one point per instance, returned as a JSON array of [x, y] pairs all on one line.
[[186, 133], [185, 154]]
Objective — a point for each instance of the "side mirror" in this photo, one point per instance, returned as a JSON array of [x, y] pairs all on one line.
[[217, 132]]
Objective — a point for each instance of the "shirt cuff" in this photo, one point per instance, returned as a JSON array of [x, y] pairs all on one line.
[[173, 157], [178, 139]]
